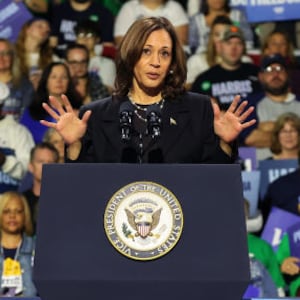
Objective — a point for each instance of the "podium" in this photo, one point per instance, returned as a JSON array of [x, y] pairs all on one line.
[[75, 260]]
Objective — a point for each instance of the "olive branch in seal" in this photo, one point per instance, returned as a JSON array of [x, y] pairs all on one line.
[[127, 232]]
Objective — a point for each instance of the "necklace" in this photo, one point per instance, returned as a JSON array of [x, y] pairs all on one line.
[[143, 109]]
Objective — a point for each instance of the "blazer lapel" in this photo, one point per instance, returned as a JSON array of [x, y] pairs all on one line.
[[175, 118]]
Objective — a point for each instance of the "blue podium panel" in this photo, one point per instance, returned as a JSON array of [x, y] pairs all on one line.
[[75, 260]]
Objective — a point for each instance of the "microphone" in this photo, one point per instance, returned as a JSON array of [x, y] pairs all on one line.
[[125, 118], [154, 121]]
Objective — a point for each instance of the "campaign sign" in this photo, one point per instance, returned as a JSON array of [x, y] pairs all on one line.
[[251, 190], [294, 239], [248, 156], [268, 10], [251, 292], [12, 17], [271, 169], [277, 224]]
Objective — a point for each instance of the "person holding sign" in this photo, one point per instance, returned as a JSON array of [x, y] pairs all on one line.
[[150, 117], [289, 262], [17, 247]]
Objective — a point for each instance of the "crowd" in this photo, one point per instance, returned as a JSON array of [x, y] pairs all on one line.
[[69, 48]]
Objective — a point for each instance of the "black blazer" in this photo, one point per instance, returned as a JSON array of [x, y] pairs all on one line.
[[187, 134]]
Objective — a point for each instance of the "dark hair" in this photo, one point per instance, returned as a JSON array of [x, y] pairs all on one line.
[[87, 26], [44, 145], [221, 20], [77, 46], [130, 51], [279, 124], [36, 110], [204, 8]]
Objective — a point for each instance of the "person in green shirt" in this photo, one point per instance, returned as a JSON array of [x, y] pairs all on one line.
[[263, 252], [289, 265]]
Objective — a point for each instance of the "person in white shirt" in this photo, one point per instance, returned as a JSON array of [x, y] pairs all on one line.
[[135, 9], [15, 142]]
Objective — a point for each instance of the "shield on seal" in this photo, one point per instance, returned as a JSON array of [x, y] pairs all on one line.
[[143, 229]]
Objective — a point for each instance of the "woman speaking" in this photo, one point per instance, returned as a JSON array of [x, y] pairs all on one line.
[[150, 118]]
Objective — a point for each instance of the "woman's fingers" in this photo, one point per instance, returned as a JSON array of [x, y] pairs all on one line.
[[246, 114], [249, 123], [86, 116], [50, 111], [234, 104], [48, 124], [66, 103], [240, 109], [56, 105]]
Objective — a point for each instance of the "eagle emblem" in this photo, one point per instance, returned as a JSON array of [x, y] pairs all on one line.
[[143, 221]]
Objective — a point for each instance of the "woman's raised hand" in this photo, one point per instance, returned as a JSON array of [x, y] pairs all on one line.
[[229, 124], [67, 124]]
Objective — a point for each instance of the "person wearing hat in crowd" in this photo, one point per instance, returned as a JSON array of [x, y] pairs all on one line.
[[231, 76], [277, 99]]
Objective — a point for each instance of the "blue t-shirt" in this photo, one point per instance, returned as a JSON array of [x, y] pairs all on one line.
[[34, 126]]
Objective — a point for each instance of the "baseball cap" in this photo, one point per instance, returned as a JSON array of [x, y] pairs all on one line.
[[232, 31], [273, 59], [4, 92]]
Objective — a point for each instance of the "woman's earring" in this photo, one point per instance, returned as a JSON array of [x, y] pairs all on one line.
[[171, 72]]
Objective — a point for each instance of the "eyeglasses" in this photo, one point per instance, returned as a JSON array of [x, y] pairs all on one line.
[[272, 69], [5, 53], [292, 131], [77, 62], [13, 211], [86, 35]]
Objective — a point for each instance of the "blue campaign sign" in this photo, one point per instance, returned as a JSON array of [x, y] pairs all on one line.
[[294, 239], [271, 169], [251, 190], [277, 224], [268, 10], [248, 157], [12, 17]]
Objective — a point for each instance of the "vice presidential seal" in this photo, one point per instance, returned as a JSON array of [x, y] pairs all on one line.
[[143, 220]]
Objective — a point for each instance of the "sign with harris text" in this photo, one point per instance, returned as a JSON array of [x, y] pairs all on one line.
[[271, 170]]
